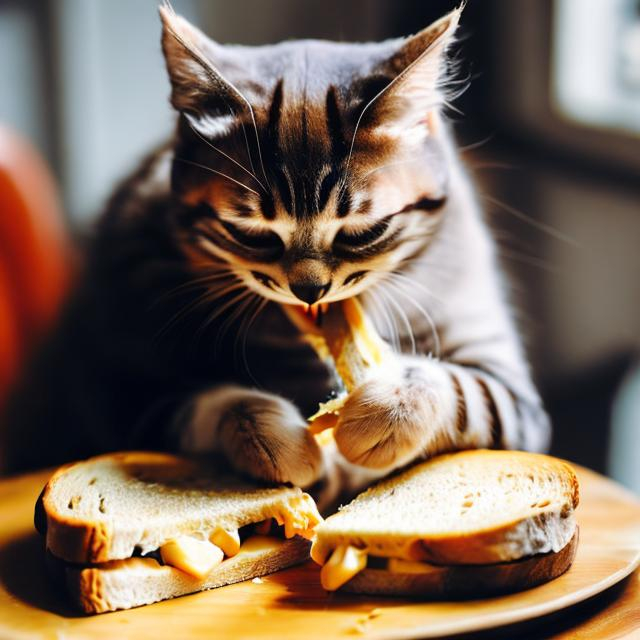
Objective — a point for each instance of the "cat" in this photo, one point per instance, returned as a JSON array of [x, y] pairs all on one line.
[[304, 172]]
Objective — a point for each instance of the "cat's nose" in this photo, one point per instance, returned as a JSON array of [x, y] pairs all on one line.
[[309, 292]]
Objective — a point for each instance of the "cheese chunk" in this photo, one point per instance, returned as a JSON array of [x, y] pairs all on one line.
[[345, 562], [195, 557], [260, 544], [228, 541], [398, 565], [299, 517]]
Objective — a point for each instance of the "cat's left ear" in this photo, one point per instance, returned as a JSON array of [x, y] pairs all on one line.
[[415, 93]]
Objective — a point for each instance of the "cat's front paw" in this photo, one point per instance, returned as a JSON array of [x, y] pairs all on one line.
[[395, 416], [260, 434], [266, 437]]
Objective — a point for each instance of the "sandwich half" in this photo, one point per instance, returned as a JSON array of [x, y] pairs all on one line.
[[469, 523], [128, 529]]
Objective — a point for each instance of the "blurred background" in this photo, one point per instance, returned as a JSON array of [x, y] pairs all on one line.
[[550, 128]]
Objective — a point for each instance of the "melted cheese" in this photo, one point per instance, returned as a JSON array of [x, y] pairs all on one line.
[[398, 565], [199, 557], [326, 417], [227, 540], [366, 338], [299, 517], [260, 544], [195, 557], [345, 562], [380, 546], [325, 437]]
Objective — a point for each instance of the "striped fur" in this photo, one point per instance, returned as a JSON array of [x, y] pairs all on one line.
[[295, 166]]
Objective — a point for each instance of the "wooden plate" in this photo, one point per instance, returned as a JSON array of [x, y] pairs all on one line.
[[291, 604]]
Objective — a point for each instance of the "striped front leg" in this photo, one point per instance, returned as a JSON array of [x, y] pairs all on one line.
[[418, 407]]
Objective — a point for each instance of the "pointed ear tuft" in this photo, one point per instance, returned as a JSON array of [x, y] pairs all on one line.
[[427, 47], [419, 65], [198, 89]]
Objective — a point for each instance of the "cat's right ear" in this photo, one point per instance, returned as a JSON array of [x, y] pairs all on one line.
[[198, 89]]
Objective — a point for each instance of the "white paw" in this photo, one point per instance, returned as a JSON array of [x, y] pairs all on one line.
[[395, 416], [261, 434]]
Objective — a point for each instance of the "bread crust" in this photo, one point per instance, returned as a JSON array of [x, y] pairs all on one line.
[[466, 581], [69, 538], [135, 582], [86, 541], [479, 546]]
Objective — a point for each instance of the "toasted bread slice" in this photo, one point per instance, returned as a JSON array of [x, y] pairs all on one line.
[[124, 584], [471, 507], [350, 342], [465, 581], [118, 505]]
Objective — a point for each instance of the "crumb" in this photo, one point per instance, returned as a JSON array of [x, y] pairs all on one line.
[[358, 629], [257, 581]]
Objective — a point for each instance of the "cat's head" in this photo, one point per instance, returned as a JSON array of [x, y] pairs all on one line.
[[312, 169]]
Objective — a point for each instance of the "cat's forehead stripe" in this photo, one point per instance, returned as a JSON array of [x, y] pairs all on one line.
[[301, 138], [335, 125]]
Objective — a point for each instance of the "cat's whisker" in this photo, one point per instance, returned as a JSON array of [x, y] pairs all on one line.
[[246, 140], [242, 309], [427, 316], [426, 266], [536, 224], [253, 121], [449, 105], [241, 300], [476, 145], [244, 332], [403, 317], [255, 128], [404, 279], [531, 261], [401, 280], [242, 304], [239, 357], [380, 319], [195, 284], [226, 155], [355, 133], [234, 300], [219, 173], [394, 334], [390, 164], [208, 296]]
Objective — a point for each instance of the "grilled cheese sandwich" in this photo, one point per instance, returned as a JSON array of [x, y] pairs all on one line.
[[168, 524]]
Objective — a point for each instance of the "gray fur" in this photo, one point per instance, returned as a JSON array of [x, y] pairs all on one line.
[[178, 314]]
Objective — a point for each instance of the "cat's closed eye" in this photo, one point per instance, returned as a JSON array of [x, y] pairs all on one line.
[[261, 240], [363, 237]]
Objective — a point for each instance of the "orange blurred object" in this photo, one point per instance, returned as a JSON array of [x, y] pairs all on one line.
[[34, 252]]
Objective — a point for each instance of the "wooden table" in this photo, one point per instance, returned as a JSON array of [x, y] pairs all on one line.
[[291, 604]]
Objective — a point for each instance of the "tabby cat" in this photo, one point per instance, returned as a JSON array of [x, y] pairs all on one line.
[[304, 172]]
